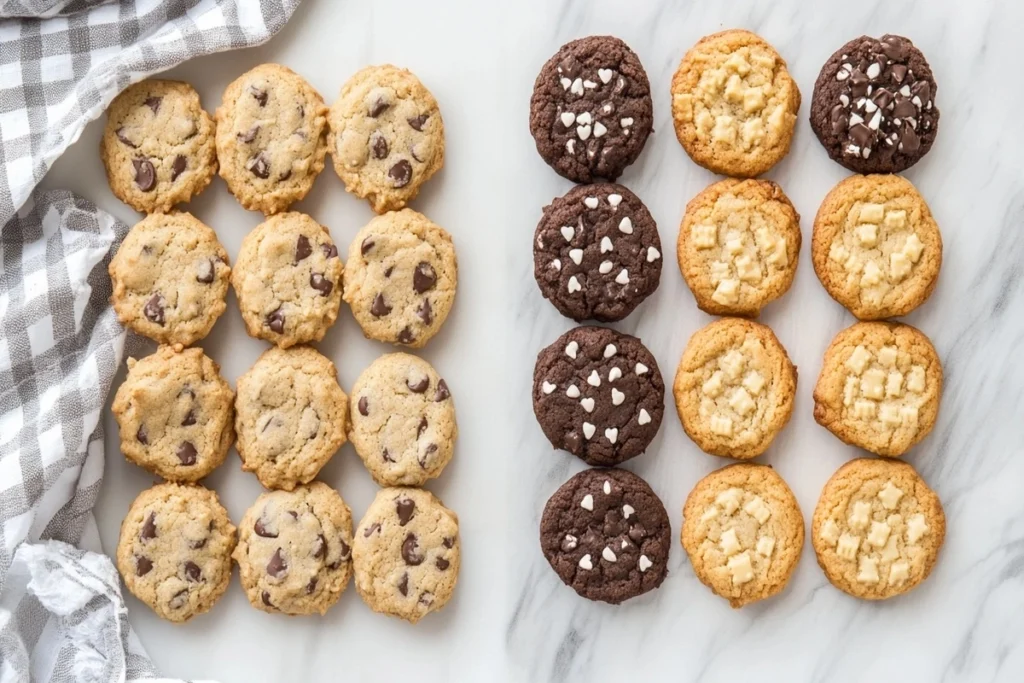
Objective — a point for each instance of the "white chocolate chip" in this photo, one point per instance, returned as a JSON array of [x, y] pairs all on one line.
[[587, 503], [608, 555], [643, 418], [585, 562], [617, 397], [565, 83], [641, 369], [548, 387], [570, 542], [614, 374], [571, 348], [599, 130], [873, 70], [623, 277], [576, 255], [577, 87], [605, 267], [626, 122], [606, 244], [573, 391], [570, 145], [627, 511], [626, 225], [584, 118], [568, 232], [605, 75], [589, 84], [590, 202], [644, 564], [583, 132], [574, 285], [588, 404], [615, 200], [595, 379], [556, 264], [588, 430], [607, 488], [653, 254], [568, 118], [610, 350], [612, 434]]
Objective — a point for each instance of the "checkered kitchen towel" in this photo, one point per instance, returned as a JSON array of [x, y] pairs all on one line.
[[61, 63]]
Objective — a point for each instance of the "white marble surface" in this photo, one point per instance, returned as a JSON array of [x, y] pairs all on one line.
[[512, 619]]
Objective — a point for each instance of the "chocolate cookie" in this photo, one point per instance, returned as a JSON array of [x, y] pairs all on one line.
[[591, 109], [598, 394], [873, 107], [606, 535], [596, 253]]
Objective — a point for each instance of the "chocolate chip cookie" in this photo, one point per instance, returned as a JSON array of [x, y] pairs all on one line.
[[598, 394], [170, 279], [402, 420], [175, 414], [406, 553], [271, 137], [400, 278], [606, 535], [387, 136], [873, 107], [290, 416], [597, 253], [591, 111], [174, 552], [158, 147], [288, 280], [294, 550]]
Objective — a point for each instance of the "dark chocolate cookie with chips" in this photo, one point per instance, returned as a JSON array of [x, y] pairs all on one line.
[[598, 394], [591, 109], [606, 535], [874, 105], [596, 253]]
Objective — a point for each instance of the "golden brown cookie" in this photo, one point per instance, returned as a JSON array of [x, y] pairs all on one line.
[[743, 531], [879, 387], [734, 104], [876, 247], [738, 246], [734, 388], [877, 528]]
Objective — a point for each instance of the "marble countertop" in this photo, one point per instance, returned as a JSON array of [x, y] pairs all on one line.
[[511, 618]]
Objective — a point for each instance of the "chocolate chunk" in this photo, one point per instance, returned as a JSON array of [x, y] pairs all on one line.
[[410, 550], [259, 94], [266, 599], [418, 151], [425, 312], [378, 145], [406, 508], [406, 336], [442, 563], [448, 542], [403, 585], [275, 321], [145, 174], [380, 307], [330, 251], [922, 90], [442, 392], [894, 48], [400, 173], [370, 530], [321, 284], [390, 269], [861, 135], [417, 121], [192, 571], [293, 514], [277, 567], [143, 565], [904, 108], [387, 456], [178, 167], [311, 586], [379, 107], [120, 136], [205, 272], [261, 529], [259, 166], [196, 545], [346, 551], [286, 175], [153, 103], [148, 528], [142, 436], [364, 406], [427, 452], [189, 420], [249, 135], [154, 309], [424, 277], [421, 427], [366, 246], [839, 119], [179, 599], [187, 453], [302, 248], [419, 386], [320, 550], [882, 98], [899, 72], [909, 141]]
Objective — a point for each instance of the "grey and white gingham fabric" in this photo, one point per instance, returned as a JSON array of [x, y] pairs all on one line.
[[61, 63]]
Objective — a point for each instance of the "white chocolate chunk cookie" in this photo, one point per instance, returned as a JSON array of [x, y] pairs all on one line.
[[877, 529], [738, 246], [402, 420], [387, 136], [406, 553], [734, 388], [879, 387], [174, 552], [294, 550], [290, 416], [743, 531], [876, 247]]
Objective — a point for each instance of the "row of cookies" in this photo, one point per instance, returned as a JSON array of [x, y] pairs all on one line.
[[269, 139]]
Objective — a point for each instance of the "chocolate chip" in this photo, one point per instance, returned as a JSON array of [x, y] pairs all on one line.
[[259, 166], [249, 135], [429, 451], [364, 406], [406, 508], [153, 103], [637, 532], [302, 248], [425, 312], [424, 277], [154, 309], [388, 271], [345, 552], [321, 284], [179, 599], [380, 307], [261, 530], [145, 174], [190, 419], [293, 514], [366, 246], [410, 550], [371, 529], [387, 456], [379, 145], [421, 427], [205, 272], [275, 321], [286, 175], [259, 94], [448, 542], [417, 121], [406, 336], [120, 136], [442, 392], [142, 435], [330, 251], [442, 563], [196, 545], [178, 167], [320, 551], [187, 453], [417, 151], [143, 565], [400, 173], [419, 386], [403, 585], [277, 567], [148, 528], [378, 107], [311, 586], [266, 599], [193, 572]]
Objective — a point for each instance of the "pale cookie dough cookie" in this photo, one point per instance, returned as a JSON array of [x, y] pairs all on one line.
[[400, 278], [290, 416], [743, 531], [175, 414], [402, 420], [406, 553], [158, 145], [879, 387], [734, 104], [294, 550], [876, 247], [738, 246], [288, 280], [271, 137], [877, 529], [174, 553], [387, 136], [170, 279], [734, 388]]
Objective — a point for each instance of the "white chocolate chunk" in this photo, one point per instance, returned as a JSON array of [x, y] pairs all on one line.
[[847, 546], [765, 546], [872, 383], [729, 500], [872, 275], [908, 415], [915, 380], [898, 573], [899, 267], [713, 387], [890, 552], [896, 220], [890, 495], [879, 534], [867, 570], [872, 213], [860, 516], [867, 234], [864, 410], [741, 402], [913, 248], [757, 509], [741, 569], [754, 382], [732, 364], [887, 356], [829, 532], [704, 236], [729, 543], [709, 514], [858, 359], [916, 528]]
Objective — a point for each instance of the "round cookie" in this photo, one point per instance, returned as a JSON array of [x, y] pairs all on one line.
[[597, 253], [876, 247], [290, 416], [271, 137], [288, 280], [170, 278], [607, 535], [175, 414], [738, 247], [158, 146], [402, 420], [873, 107], [406, 553], [877, 529], [174, 552], [400, 278], [387, 136], [879, 387], [598, 394], [294, 550], [743, 532], [734, 104], [591, 111], [734, 388]]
